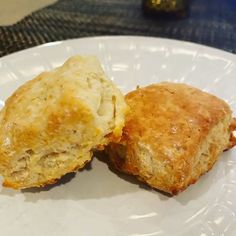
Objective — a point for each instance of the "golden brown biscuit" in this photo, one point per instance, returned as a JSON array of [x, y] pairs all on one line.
[[51, 124], [174, 133]]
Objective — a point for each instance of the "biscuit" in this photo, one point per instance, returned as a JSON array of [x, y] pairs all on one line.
[[173, 134], [51, 124]]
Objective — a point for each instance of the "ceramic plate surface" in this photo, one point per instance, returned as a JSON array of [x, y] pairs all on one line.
[[97, 201]]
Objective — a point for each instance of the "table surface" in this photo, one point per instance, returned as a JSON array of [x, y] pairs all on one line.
[[211, 22]]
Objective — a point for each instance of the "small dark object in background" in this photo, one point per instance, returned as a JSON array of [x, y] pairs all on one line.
[[166, 8]]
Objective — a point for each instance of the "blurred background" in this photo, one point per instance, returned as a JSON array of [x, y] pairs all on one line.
[[27, 23]]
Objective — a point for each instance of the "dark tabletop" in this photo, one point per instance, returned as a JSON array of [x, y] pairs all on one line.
[[209, 22]]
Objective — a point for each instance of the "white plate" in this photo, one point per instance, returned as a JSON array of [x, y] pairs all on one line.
[[99, 202]]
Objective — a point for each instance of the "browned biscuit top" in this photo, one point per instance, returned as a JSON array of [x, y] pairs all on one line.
[[164, 131]]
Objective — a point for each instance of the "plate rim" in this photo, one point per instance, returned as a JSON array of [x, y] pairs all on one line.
[[120, 37]]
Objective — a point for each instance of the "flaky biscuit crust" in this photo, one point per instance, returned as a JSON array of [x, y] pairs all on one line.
[[51, 124]]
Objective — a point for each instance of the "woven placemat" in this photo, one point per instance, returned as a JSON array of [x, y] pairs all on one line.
[[211, 22]]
